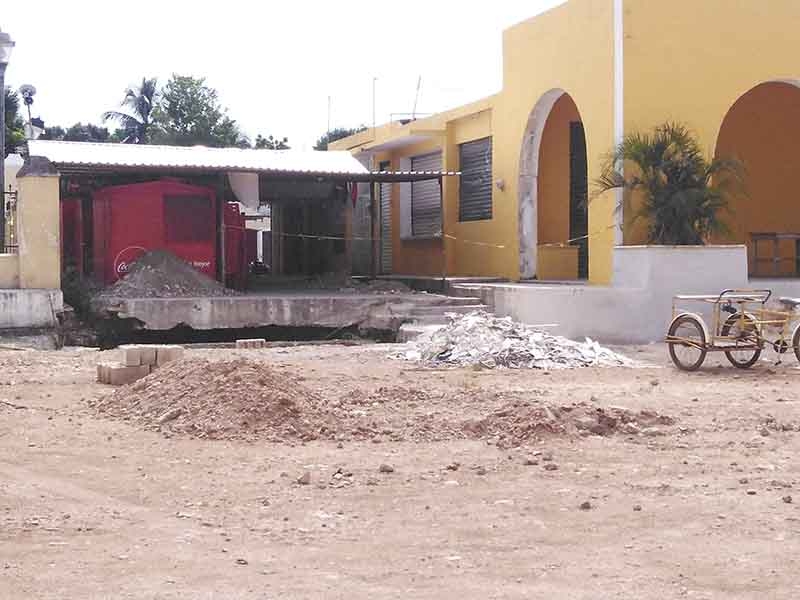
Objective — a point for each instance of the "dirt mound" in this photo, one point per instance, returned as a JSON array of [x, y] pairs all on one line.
[[247, 399], [220, 400], [519, 423], [161, 274]]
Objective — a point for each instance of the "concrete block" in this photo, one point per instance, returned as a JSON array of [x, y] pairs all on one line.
[[103, 372], [254, 343], [148, 355], [123, 375], [167, 354], [131, 355]]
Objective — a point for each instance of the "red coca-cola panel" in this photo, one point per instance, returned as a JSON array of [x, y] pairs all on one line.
[[129, 220]]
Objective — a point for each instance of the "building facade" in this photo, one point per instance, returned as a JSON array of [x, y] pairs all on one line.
[[575, 80]]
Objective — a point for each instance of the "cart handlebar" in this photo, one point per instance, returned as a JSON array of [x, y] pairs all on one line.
[[761, 296]]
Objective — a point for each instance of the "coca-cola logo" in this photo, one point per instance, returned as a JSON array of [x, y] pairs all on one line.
[[125, 258], [202, 265]]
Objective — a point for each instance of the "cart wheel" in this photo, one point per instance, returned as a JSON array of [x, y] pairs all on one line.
[[796, 343], [742, 327], [688, 351]]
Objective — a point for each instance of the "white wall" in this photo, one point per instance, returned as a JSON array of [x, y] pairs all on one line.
[[29, 308], [637, 307]]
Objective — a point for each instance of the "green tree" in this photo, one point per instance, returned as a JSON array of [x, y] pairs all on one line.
[[681, 193], [189, 112], [15, 126], [77, 133], [271, 143], [136, 118], [336, 134]]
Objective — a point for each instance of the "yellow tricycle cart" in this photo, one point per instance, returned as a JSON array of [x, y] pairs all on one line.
[[742, 326]]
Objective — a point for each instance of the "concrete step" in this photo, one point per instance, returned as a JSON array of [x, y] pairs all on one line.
[[411, 331], [440, 309], [439, 300]]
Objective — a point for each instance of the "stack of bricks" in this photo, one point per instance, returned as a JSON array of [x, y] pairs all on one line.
[[256, 343], [137, 361]]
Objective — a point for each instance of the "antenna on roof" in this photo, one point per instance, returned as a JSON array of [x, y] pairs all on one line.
[[416, 98]]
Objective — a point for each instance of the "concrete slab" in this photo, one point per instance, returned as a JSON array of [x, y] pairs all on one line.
[[288, 309], [20, 309]]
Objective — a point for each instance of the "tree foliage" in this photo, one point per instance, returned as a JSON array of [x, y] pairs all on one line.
[[136, 118], [682, 193], [79, 132], [15, 126], [336, 134], [271, 143], [189, 113]]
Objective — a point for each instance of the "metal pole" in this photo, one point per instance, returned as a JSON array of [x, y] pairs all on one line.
[[374, 118], [2, 158], [444, 238]]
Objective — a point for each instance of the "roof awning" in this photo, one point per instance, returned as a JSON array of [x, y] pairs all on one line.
[[87, 157], [94, 158]]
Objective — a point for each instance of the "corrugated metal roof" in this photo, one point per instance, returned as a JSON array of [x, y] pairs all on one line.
[[108, 156]]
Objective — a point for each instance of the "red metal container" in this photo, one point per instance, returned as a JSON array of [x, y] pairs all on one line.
[[168, 215]]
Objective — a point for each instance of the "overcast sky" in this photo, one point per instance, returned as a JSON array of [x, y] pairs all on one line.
[[274, 62]]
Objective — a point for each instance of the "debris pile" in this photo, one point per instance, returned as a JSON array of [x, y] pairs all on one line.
[[232, 399], [481, 339], [521, 422], [161, 274]]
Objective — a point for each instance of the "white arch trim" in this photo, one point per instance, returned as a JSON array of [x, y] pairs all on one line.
[[528, 189]]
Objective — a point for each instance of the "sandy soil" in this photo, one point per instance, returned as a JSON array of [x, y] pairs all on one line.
[[93, 507]]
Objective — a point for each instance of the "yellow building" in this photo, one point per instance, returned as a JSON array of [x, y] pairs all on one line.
[[575, 80]]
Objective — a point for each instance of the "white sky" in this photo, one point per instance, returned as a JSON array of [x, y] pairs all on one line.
[[274, 62]]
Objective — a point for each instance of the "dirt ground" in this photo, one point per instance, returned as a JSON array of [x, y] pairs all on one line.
[[98, 507]]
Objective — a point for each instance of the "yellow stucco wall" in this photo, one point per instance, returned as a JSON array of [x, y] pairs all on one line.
[[762, 130], [38, 228], [9, 271], [557, 262], [411, 256], [569, 48], [684, 61], [690, 61], [554, 173]]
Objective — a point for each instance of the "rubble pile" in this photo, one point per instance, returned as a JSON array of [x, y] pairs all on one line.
[[161, 274], [522, 422], [229, 399], [481, 339]]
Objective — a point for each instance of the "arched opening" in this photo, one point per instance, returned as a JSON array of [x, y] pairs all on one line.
[[553, 190], [762, 130]]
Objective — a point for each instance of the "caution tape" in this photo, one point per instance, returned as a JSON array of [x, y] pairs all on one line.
[[448, 236]]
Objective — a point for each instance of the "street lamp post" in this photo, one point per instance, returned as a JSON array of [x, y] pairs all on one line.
[[6, 45]]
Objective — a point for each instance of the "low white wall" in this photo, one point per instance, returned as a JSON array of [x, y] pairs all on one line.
[[789, 288], [577, 311], [637, 307], [20, 309]]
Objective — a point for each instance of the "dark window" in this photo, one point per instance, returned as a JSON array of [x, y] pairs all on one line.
[[475, 196], [188, 219]]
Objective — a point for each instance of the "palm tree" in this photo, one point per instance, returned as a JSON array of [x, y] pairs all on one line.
[[137, 120], [682, 193]]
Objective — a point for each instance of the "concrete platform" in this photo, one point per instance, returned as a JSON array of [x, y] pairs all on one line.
[[286, 309], [30, 308], [438, 285]]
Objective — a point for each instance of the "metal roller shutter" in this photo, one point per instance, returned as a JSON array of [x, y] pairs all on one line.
[[475, 196], [426, 205], [386, 228]]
